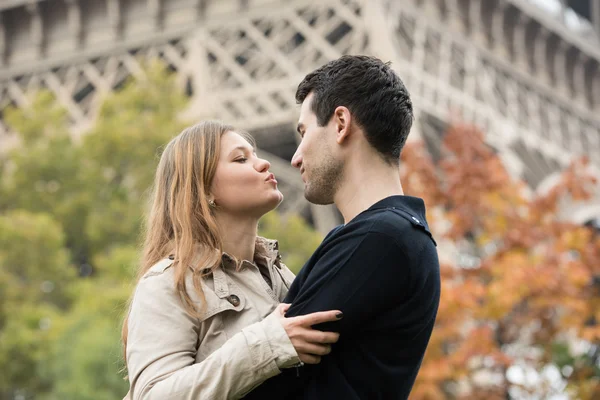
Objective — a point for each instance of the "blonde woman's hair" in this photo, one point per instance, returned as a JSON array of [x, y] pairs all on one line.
[[180, 222]]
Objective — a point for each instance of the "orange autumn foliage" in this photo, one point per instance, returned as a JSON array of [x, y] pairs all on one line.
[[536, 282]]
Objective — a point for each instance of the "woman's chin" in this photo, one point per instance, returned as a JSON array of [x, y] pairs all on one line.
[[276, 200], [266, 204], [280, 198]]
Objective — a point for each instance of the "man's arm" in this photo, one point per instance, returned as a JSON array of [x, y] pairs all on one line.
[[361, 276]]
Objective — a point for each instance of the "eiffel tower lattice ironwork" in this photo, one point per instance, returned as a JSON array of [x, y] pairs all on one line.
[[529, 81]]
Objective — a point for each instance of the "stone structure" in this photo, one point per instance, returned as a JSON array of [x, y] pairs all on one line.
[[529, 78]]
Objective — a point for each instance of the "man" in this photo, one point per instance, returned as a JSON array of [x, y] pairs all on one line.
[[381, 267]]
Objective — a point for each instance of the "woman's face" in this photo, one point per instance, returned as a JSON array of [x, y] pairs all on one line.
[[243, 184]]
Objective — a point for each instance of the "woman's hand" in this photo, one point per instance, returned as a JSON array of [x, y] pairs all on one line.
[[310, 344]]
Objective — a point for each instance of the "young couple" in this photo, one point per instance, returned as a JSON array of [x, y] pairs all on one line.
[[216, 314]]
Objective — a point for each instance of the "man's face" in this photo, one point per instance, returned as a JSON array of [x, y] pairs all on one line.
[[321, 171]]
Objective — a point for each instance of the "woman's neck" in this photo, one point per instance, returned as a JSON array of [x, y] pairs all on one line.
[[238, 236]]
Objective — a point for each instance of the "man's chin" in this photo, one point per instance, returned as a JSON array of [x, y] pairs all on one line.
[[319, 199]]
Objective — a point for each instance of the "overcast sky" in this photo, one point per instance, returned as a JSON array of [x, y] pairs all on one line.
[[553, 7]]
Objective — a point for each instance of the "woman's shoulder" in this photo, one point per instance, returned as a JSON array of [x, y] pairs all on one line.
[[158, 281], [159, 268], [157, 293]]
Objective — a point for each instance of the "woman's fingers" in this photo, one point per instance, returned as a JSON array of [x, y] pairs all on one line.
[[309, 358], [310, 344], [282, 308], [311, 335], [316, 336], [320, 317], [313, 348]]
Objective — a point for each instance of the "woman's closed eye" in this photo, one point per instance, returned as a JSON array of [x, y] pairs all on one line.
[[241, 160]]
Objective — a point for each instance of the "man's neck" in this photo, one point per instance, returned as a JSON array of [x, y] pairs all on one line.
[[239, 236], [365, 184]]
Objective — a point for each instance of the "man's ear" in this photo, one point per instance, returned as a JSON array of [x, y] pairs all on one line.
[[343, 121]]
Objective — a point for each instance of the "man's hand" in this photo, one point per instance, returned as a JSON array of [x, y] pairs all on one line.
[[310, 344]]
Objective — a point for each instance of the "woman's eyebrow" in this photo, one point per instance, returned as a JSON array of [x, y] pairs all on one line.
[[244, 148]]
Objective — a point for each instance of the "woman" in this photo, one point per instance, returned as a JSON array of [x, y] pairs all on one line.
[[205, 320]]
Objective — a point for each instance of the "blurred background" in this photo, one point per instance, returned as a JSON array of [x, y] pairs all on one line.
[[505, 150]]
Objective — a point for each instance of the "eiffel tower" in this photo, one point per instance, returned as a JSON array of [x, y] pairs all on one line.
[[526, 71]]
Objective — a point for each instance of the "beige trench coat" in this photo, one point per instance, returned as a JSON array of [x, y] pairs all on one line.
[[234, 347]]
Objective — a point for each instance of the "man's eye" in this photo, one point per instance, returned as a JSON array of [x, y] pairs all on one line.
[[241, 160]]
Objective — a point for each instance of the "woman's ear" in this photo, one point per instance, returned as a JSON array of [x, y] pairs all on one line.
[[211, 201]]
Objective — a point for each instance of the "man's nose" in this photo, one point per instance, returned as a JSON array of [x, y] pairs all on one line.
[[297, 160]]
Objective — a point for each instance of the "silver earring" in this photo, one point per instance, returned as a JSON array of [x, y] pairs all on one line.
[[212, 203]]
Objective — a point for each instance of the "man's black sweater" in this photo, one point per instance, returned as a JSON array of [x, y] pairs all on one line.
[[382, 271]]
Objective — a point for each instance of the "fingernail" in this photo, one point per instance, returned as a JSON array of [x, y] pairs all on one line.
[[339, 315]]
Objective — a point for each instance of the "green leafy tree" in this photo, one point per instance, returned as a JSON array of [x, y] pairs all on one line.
[[85, 359], [35, 275], [65, 203], [122, 150], [42, 174], [297, 239]]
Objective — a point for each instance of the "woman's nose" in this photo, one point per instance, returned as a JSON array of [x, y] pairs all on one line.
[[263, 165]]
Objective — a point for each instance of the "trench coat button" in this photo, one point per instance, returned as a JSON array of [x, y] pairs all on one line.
[[171, 257], [234, 300]]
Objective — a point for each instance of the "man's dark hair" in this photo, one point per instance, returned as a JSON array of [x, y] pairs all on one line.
[[374, 94]]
